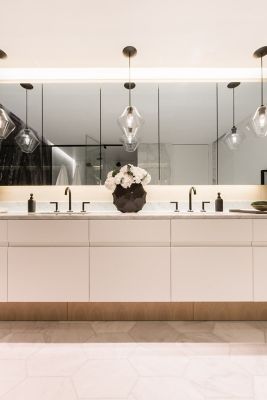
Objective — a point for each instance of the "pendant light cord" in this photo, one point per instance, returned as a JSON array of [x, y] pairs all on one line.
[[26, 109], [233, 107], [261, 83], [130, 85]]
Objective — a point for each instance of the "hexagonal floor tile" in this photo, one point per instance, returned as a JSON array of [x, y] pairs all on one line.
[[153, 332], [105, 379]]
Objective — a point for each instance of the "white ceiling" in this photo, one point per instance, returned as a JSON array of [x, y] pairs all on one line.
[[170, 33]]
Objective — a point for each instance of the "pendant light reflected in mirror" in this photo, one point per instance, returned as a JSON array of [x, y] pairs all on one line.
[[6, 124], [26, 138], [259, 119], [130, 120], [234, 138]]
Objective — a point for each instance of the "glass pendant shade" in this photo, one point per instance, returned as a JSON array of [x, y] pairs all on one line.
[[233, 139], [6, 124], [130, 121], [259, 121], [27, 140], [129, 144]]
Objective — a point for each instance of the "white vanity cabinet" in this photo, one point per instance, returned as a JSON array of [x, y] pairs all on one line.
[[3, 274], [130, 260], [211, 232], [48, 260], [211, 260], [48, 232], [129, 274], [212, 274], [141, 259], [260, 259], [130, 233], [44, 274]]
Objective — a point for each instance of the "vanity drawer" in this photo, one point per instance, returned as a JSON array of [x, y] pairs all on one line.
[[130, 233], [44, 232], [3, 233], [3, 273], [260, 230], [211, 274], [129, 274], [260, 273], [50, 274], [212, 232]]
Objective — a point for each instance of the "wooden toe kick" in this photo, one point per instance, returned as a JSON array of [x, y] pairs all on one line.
[[189, 311]]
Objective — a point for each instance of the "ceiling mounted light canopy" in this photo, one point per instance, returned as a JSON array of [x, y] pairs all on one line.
[[26, 138], [259, 119], [234, 138], [6, 124], [130, 120]]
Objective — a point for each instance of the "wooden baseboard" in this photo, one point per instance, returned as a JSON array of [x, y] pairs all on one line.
[[33, 311], [227, 311], [130, 311]]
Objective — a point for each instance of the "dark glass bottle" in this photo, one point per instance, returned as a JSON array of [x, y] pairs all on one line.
[[31, 204], [219, 203]]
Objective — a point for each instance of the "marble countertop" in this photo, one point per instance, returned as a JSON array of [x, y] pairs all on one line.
[[118, 215]]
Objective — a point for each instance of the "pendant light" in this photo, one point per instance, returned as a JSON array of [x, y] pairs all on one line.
[[234, 137], [26, 138], [130, 120], [6, 124], [259, 119]]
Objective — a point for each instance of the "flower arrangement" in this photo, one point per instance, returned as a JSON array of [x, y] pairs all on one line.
[[126, 176]]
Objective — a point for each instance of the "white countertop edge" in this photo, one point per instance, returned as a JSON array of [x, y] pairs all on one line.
[[128, 216]]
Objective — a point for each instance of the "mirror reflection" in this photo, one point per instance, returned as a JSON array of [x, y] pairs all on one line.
[[68, 133]]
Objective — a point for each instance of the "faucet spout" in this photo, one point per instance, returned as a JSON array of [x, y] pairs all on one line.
[[192, 189], [68, 191]]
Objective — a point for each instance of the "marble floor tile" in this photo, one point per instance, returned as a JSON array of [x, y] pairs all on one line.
[[108, 350], [68, 332], [12, 372], [25, 336], [248, 349], [56, 360], [156, 365], [18, 350], [220, 377], [153, 332], [156, 388], [133, 361], [112, 326], [192, 326], [239, 332], [105, 378], [205, 349], [42, 389], [111, 337], [260, 384], [200, 337]]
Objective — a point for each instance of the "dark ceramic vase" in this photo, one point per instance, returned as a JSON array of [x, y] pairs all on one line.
[[131, 199]]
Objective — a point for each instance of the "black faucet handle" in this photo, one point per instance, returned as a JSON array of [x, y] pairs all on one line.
[[203, 205], [56, 204], [83, 204], [176, 205]]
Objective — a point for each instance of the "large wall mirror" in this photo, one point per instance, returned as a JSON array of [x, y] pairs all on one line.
[[76, 138]]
